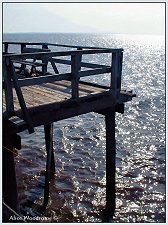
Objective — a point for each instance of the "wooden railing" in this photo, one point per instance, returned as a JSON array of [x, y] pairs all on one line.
[[45, 56]]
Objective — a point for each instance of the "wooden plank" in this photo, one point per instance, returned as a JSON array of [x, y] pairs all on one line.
[[61, 53], [22, 43], [83, 88], [44, 79], [90, 88], [94, 72], [57, 45], [65, 87], [35, 97], [39, 95], [49, 93], [64, 90], [44, 93], [94, 84], [58, 88], [83, 64], [81, 47], [32, 50]]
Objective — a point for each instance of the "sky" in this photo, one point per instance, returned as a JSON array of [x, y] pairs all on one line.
[[125, 18]]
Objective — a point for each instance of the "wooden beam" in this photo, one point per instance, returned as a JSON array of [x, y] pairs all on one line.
[[70, 108], [94, 84], [44, 67], [32, 50], [118, 108], [94, 72], [44, 79], [8, 88], [75, 67], [54, 67], [116, 72], [23, 45], [21, 99], [9, 191], [6, 45], [110, 165], [11, 126], [50, 164], [57, 45], [61, 53], [83, 64]]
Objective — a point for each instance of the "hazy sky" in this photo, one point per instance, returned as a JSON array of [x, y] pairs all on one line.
[[130, 18]]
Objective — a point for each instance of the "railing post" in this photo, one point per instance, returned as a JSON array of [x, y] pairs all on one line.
[[6, 47], [44, 67], [116, 72], [8, 88], [75, 68], [20, 96], [23, 67]]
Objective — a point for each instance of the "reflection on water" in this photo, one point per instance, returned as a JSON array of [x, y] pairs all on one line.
[[77, 191]]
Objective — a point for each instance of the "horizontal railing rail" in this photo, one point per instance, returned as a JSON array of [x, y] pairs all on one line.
[[61, 53], [51, 44]]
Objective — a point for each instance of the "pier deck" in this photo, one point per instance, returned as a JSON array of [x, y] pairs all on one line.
[[44, 96]]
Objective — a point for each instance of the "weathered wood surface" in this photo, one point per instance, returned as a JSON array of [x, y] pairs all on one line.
[[50, 93], [54, 99]]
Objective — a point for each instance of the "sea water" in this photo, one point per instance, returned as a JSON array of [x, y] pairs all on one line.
[[77, 192]]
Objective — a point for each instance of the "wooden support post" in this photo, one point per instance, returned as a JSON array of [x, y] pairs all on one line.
[[75, 67], [120, 61], [116, 72], [6, 47], [110, 164], [50, 165], [44, 67], [23, 66], [20, 96], [8, 89], [10, 194]]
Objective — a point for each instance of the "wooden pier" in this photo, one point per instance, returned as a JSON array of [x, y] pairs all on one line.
[[42, 96]]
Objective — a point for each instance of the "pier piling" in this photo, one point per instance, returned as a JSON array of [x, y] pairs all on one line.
[[50, 163], [9, 184], [110, 164]]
